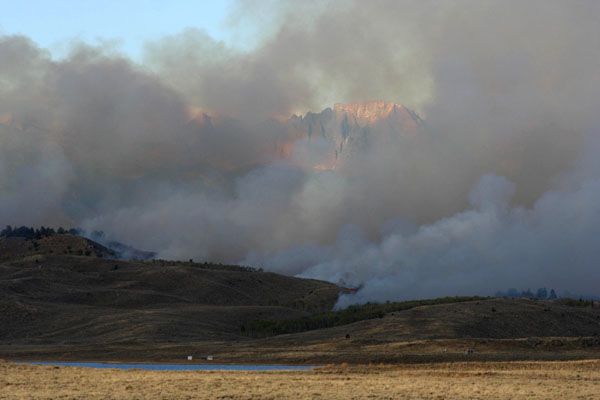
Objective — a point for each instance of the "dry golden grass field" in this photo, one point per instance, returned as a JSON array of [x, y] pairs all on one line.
[[472, 380]]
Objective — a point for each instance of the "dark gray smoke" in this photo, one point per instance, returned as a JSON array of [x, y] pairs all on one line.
[[498, 189]]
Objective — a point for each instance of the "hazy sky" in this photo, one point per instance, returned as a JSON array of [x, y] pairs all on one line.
[[54, 24]]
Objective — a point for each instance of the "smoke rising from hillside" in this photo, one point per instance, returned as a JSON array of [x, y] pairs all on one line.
[[498, 190]]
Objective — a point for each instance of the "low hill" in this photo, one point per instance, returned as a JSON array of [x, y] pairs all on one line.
[[47, 295], [494, 318], [14, 248]]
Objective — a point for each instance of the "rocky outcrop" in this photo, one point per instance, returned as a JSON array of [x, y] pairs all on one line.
[[348, 128]]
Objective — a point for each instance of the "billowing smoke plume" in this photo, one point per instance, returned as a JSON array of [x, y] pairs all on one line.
[[193, 152]]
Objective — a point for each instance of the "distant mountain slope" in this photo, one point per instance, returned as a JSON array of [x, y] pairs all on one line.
[[336, 133], [349, 128]]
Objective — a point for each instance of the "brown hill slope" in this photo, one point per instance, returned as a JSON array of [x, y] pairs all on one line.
[[490, 319], [12, 248], [54, 297]]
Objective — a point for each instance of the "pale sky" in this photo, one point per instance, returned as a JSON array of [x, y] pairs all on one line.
[[54, 24]]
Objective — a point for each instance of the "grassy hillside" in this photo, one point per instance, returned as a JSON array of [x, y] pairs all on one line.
[[14, 248], [488, 319], [47, 295], [329, 319]]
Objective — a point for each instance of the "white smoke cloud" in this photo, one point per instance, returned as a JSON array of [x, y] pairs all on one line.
[[490, 245]]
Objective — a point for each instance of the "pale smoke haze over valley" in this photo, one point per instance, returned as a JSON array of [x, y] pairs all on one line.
[[411, 148]]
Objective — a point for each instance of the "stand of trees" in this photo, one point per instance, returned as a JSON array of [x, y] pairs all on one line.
[[203, 265], [28, 232], [265, 328], [540, 294]]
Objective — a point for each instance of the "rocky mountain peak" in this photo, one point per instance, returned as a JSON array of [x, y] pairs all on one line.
[[367, 112]]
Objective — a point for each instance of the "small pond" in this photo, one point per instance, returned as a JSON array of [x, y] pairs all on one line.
[[178, 367]]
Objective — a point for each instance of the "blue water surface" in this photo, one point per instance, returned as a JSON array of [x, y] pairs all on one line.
[[178, 367]]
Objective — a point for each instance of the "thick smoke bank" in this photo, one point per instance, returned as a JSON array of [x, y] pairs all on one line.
[[497, 188], [489, 245]]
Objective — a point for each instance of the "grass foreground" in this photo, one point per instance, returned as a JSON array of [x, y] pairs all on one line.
[[469, 380]]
